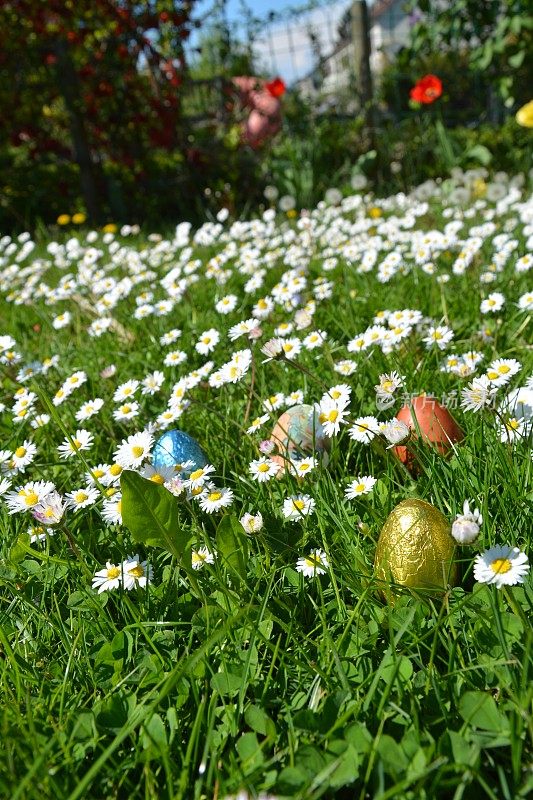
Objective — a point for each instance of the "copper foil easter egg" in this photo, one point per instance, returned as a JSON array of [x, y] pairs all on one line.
[[435, 424], [298, 433], [415, 548]]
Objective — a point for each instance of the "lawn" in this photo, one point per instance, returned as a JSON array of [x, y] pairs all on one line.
[[159, 643]]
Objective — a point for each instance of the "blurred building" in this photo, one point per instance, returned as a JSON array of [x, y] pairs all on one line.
[[333, 80]]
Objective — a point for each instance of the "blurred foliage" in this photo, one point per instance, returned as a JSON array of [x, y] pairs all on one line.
[[493, 37]]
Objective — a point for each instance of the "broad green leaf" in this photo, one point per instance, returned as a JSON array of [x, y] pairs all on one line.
[[479, 709], [154, 734], [150, 512], [516, 60], [250, 752], [259, 721], [226, 683], [232, 544], [480, 153]]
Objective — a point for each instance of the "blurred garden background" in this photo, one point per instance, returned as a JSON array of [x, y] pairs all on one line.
[[141, 112]]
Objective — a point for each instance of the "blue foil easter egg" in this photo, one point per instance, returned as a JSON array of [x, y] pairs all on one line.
[[176, 447]]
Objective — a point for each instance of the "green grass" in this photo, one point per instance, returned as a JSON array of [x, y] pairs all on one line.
[[246, 675]]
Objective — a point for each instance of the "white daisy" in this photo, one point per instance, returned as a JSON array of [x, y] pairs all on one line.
[[263, 469], [134, 450], [502, 565], [298, 506], [316, 563], [360, 486], [200, 557]]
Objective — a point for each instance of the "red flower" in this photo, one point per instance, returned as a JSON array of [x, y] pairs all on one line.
[[426, 90], [276, 87]]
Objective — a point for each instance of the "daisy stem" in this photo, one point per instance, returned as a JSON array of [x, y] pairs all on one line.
[[516, 608], [251, 391], [73, 546]]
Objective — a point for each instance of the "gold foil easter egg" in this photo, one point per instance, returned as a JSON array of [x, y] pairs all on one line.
[[415, 548]]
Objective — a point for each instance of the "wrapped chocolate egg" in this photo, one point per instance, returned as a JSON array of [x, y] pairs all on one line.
[[433, 421], [415, 548], [298, 433], [175, 448]]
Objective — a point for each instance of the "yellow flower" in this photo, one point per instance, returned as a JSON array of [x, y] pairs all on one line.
[[375, 212], [479, 187], [292, 213], [524, 115], [79, 218], [63, 219], [110, 228]]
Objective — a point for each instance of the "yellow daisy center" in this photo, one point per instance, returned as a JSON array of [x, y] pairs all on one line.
[[113, 572], [157, 479], [20, 452], [500, 566], [137, 451], [137, 571], [31, 499], [214, 496], [196, 474]]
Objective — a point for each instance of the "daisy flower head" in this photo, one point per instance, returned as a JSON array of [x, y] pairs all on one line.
[[243, 328], [465, 527], [89, 409], [82, 498], [112, 509], [314, 339], [174, 358], [360, 486], [512, 430], [125, 391], [83, 440], [502, 370], [49, 510], [494, 302], [226, 304], [439, 336], [263, 469], [126, 411], [302, 466], [395, 432], [136, 573], [274, 401], [478, 394], [134, 450], [214, 499], [108, 578], [257, 423], [502, 565], [152, 383], [331, 415], [200, 557], [22, 457], [159, 475], [294, 398], [207, 342], [76, 379], [298, 506], [385, 389], [340, 393], [316, 563], [199, 476], [364, 429], [252, 523]]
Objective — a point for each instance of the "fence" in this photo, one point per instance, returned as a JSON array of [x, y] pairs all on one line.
[[335, 54]]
